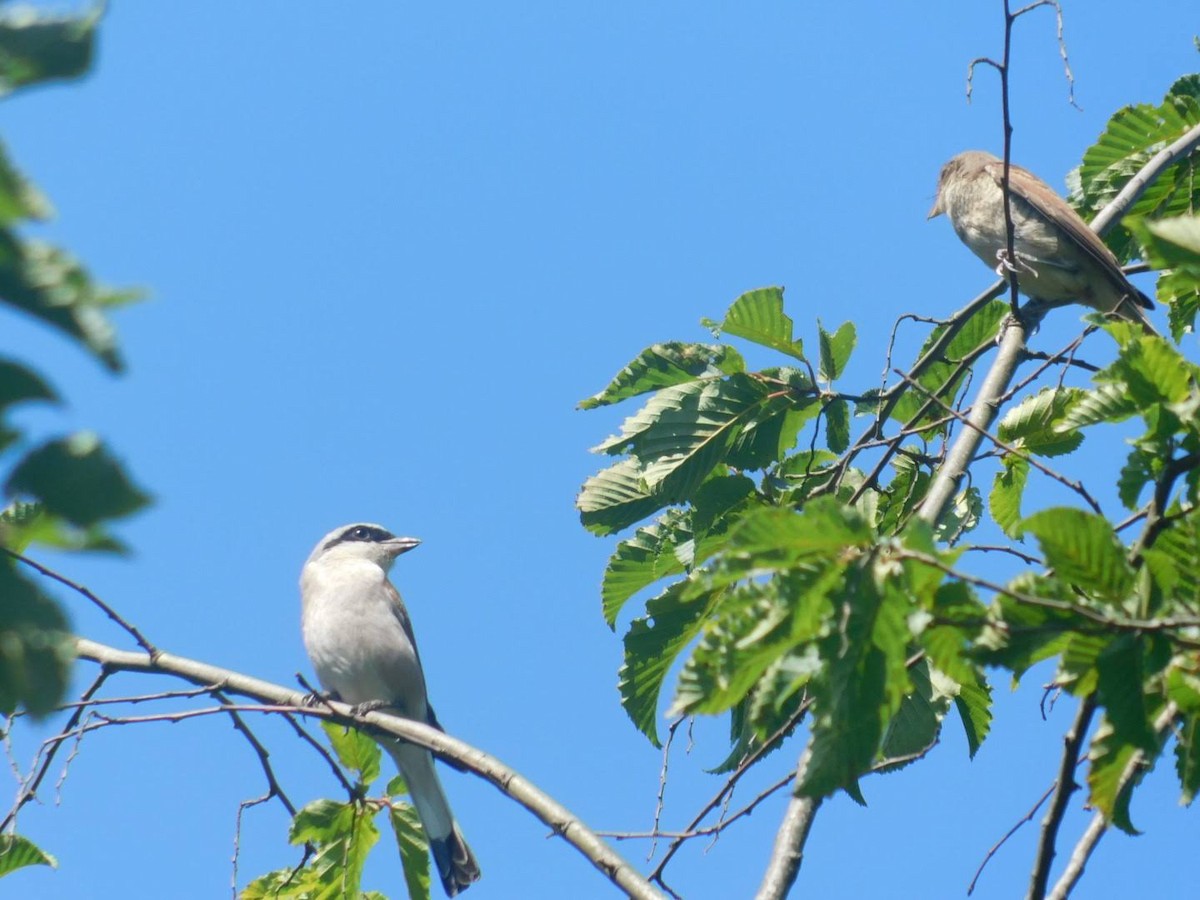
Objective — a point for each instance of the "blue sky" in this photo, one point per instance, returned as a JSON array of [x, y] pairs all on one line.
[[388, 247]]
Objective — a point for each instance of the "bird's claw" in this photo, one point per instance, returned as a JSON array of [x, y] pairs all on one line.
[[361, 709], [1006, 266]]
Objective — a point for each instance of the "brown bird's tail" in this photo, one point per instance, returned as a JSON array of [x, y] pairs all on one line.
[[1133, 309]]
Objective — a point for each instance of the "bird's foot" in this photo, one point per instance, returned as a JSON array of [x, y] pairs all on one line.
[[361, 709], [1007, 266], [316, 698]]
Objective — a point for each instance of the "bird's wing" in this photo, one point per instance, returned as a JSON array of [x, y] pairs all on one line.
[[1048, 205], [401, 613]]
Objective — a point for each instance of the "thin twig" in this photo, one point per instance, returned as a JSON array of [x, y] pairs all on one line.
[[84, 592], [1064, 787], [995, 848]]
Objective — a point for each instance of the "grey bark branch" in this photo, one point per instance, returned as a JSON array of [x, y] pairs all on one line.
[[790, 839], [1134, 769], [557, 817]]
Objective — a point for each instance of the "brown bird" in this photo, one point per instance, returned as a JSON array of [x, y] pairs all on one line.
[[1059, 259]]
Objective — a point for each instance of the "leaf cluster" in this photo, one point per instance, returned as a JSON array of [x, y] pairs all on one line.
[[338, 836], [791, 573]]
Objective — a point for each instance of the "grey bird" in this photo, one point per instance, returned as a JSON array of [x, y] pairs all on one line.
[[360, 640], [1058, 258]]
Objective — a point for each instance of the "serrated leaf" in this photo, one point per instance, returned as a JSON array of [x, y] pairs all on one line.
[[652, 643], [1133, 135], [866, 680], [17, 852], [835, 350], [414, 849], [837, 425], [76, 478], [664, 365], [752, 627], [915, 727], [684, 432], [758, 316], [1036, 423], [615, 498], [19, 198], [355, 750], [1180, 291], [654, 552], [1108, 791], [1004, 501], [47, 283], [1084, 551], [1122, 683], [974, 705], [1107, 402], [939, 378]]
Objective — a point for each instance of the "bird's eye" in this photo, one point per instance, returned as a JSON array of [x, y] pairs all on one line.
[[360, 534]]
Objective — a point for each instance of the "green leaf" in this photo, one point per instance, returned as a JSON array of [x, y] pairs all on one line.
[[19, 198], [343, 833], [915, 727], [664, 365], [837, 425], [1152, 371], [36, 648], [835, 350], [414, 849], [354, 750], [1121, 668], [37, 47], [24, 524], [752, 628], [1180, 291], [974, 705], [652, 643], [961, 516], [1035, 424], [1107, 402], [616, 498], [21, 385], [1007, 490], [1133, 136], [1187, 756], [1110, 757], [50, 285], [1170, 243], [1084, 551], [758, 316], [17, 852], [654, 552], [866, 680], [942, 378], [76, 478]]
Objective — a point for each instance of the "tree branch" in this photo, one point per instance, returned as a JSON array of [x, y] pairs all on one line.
[[1064, 787], [557, 817], [1099, 824]]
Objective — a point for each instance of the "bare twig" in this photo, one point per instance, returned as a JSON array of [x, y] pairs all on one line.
[[1135, 767], [994, 849], [1064, 787], [559, 819], [84, 592], [29, 790]]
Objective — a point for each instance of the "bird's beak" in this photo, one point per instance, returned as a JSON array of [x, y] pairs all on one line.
[[401, 545], [937, 209]]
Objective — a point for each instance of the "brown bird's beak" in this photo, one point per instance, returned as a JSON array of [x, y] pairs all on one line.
[[937, 209]]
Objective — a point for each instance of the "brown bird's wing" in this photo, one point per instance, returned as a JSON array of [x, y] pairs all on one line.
[[1050, 206]]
